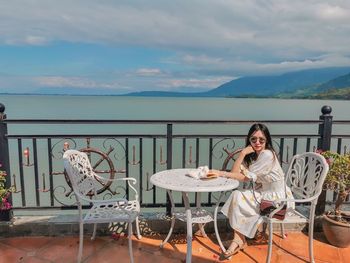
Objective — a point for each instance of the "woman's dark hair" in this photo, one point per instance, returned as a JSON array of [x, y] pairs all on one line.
[[249, 158]]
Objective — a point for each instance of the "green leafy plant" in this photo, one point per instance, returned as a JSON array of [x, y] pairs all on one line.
[[4, 192], [338, 180]]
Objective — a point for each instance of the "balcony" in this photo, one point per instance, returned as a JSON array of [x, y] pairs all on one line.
[[42, 188]]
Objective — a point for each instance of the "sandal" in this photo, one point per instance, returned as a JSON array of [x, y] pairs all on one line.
[[240, 246], [260, 236], [226, 243]]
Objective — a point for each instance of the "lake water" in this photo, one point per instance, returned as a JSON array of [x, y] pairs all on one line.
[[114, 107]]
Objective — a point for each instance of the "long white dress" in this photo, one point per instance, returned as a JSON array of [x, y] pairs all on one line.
[[241, 208]]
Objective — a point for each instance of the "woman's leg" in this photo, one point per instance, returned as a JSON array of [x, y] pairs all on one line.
[[261, 233], [238, 243]]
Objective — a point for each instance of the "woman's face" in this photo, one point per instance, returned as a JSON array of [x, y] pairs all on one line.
[[258, 141]]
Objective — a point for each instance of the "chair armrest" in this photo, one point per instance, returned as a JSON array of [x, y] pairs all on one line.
[[285, 200], [131, 181]]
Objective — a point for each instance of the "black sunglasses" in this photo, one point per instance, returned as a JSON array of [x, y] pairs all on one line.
[[255, 139]]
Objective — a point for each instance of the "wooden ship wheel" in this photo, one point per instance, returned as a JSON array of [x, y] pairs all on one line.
[[230, 156], [101, 165]]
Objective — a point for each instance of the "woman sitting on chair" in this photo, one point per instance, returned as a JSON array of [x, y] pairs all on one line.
[[256, 162]]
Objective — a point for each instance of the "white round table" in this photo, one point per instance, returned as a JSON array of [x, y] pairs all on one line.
[[179, 180]]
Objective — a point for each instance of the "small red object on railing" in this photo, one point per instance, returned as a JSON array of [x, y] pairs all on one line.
[[26, 154]]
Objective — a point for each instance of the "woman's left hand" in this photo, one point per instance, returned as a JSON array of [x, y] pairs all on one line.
[[216, 172]]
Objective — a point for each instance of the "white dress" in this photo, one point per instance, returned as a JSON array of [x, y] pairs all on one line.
[[241, 207]]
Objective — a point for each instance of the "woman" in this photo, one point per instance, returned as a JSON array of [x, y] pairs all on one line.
[[257, 162]]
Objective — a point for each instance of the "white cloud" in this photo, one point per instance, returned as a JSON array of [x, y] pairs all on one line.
[[202, 24], [74, 82], [333, 12], [36, 40], [202, 60], [148, 72], [211, 39], [207, 83]]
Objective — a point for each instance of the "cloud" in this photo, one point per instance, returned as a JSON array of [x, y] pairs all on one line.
[[332, 12], [28, 40], [202, 84], [34, 40], [202, 60], [207, 41], [148, 72], [181, 25], [74, 82]]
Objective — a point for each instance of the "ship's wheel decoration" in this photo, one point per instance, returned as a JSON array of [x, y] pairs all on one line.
[[101, 164], [230, 156]]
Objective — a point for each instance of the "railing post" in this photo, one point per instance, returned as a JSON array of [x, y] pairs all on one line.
[[169, 143], [325, 129], [324, 143], [4, 153]]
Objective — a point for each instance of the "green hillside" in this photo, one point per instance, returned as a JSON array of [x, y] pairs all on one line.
[[337, 88], [333, 94]]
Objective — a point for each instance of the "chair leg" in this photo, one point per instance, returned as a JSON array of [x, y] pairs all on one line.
[[269, 251], [311, 239], [81, 240], [94, 232], [282, 231], [138, 228], [130, 242]]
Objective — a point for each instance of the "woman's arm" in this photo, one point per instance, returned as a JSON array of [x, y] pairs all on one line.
[[236, 167], [236, 171], [234, 175]]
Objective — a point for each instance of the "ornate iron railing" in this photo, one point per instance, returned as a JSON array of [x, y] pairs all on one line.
[[32, 152]]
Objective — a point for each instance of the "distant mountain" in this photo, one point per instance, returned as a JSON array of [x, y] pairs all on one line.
[[332, 83], [337, 88], [267, 86], [339, 82], [291, 84]]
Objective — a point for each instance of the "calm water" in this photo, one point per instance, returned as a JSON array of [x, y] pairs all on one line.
[[112, 107]]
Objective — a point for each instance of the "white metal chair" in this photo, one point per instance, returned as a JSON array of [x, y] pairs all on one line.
[[84, 183], [305, 177]]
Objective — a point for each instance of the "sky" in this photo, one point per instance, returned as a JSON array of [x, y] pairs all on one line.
[[122, 46]]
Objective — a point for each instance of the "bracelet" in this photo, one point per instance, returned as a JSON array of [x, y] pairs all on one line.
[[244, 172]]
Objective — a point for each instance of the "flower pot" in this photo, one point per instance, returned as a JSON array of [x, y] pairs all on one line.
[[5, 215], [337, 233]]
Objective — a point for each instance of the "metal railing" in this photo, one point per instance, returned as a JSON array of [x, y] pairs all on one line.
[[33, 158]]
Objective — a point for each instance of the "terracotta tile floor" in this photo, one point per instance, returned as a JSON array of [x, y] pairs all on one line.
[[114, 249]]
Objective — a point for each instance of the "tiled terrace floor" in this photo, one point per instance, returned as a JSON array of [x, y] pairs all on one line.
[[108, 249]]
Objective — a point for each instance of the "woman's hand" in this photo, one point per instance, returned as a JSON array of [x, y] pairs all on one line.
[[215, 172], [247, 150]]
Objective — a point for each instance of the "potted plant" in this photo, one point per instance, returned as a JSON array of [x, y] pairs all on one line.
[[336, 222], [5, 205]]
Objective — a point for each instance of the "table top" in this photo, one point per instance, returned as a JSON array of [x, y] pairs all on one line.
[[177, 180]]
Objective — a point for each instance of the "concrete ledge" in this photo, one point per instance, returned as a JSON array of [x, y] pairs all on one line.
[[150, 224]]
